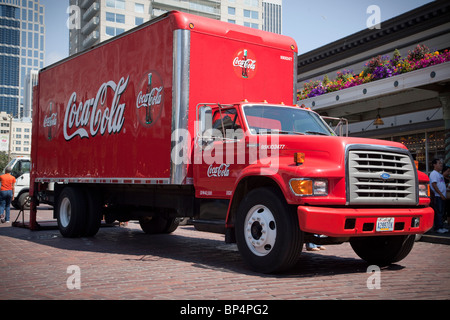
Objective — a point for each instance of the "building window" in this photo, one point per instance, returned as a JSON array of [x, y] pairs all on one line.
[[251, 25], [232, 11], [110, 17], [138, 8], [251, 14], [138, 21], [115, 17], [111, 31], [120, 18], [117, 4], [253, 3]]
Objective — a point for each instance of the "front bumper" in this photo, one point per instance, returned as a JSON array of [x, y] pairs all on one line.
[[350, 222]]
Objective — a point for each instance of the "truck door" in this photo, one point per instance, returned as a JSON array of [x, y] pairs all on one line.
[[219, 151]]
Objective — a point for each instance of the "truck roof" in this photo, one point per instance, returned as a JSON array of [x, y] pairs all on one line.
[[181, 20]]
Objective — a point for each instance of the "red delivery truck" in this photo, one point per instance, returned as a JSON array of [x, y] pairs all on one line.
[[186, 116]]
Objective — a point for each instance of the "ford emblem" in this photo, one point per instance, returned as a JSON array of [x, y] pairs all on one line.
[[385, 176]]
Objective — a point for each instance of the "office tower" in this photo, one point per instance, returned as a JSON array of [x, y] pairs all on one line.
[[22, 38], [272, 16]]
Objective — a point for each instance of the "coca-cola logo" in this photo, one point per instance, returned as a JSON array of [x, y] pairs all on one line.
[[50, 121], [245, 64], [218, 171], [87, 119], [150, 98]]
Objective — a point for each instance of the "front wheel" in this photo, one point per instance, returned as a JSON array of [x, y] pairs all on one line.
[[267, 231], [383, 250], [24, 201]]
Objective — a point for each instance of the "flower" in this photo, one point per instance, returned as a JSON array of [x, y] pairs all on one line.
[[379, 67]]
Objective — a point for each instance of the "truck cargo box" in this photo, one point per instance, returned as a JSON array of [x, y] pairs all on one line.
[[107, 114]]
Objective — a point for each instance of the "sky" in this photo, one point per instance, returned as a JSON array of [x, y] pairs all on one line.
[[312, 23]]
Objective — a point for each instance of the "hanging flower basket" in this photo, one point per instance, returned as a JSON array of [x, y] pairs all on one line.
[[379, 67]]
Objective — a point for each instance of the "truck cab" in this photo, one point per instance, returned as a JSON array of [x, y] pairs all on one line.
[[20, 169], [285, 177]]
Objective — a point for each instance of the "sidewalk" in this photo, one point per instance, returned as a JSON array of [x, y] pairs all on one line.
[[434, 237]]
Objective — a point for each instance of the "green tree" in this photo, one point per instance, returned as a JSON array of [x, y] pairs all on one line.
[[3, 160]]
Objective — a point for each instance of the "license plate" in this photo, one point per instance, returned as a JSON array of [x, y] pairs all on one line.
[[385, 224]]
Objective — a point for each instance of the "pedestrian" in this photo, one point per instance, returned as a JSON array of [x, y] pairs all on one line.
[[6, 193], [437, 183]]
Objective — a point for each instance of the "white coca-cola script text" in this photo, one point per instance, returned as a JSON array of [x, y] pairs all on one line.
[[248, 64], [93, 116], [219, 171], [50, 121], [149, 99]]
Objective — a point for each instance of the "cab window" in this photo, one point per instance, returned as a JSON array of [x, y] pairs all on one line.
[[226, 122]]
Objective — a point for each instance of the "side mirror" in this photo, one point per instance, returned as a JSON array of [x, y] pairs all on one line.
[[205, 119]]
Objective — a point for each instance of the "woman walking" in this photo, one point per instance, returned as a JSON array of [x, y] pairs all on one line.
[[6, 193]]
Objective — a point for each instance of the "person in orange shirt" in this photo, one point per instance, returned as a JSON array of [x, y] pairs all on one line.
[[6, 193]]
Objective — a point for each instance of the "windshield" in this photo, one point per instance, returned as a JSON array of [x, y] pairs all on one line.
[[264, 119]]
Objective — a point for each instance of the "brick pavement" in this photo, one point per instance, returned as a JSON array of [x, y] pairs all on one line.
[[124, 263]]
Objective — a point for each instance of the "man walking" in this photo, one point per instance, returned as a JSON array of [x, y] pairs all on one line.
[[6, 193], [438, 186]]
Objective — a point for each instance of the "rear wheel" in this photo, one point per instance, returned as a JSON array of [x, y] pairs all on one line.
[[158, 224], [93, 214], [383, 250], [71, 212], [267, 231]]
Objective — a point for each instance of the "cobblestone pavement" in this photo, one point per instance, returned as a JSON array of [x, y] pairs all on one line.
[[124, 263]]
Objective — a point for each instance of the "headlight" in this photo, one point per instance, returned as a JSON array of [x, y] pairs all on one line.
[[424, 190], [309, 187]]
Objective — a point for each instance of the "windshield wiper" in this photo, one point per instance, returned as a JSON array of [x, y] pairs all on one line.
[[316, 132]]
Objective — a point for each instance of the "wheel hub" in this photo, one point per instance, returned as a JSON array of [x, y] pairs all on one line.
[[261, 232], [65, 212]]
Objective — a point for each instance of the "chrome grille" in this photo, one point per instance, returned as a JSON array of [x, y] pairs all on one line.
[[380, 177]]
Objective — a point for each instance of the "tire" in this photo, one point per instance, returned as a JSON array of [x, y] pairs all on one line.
[[383, 250], [94, 215], [158, 224], [15, 204], [71, 212], [267, 231], [24, 201]]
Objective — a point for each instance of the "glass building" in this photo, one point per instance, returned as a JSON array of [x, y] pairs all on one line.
[[22, 38]]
